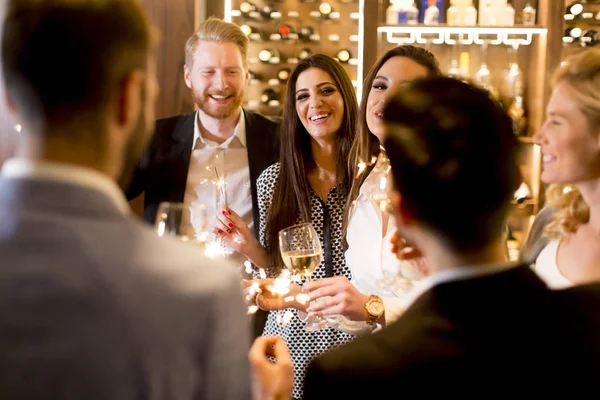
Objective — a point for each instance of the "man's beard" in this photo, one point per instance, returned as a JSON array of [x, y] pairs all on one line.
[[215, 111]]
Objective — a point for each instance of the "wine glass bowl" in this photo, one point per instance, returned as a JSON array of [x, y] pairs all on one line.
[[378, 183], [172, 219], [301, 253]]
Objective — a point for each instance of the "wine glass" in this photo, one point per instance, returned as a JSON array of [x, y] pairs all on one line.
[[406, 274], [172, 219], [377, 184], [301, 253]]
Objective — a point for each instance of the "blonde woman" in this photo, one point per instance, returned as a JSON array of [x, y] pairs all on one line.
[[570, 144]]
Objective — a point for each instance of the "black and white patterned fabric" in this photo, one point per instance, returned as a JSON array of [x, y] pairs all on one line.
[[305, 345]]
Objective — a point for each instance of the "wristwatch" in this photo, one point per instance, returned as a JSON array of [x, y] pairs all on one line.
[[375, 309]]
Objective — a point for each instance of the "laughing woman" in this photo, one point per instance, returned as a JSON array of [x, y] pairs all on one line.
[[310, 183], [570, 145]]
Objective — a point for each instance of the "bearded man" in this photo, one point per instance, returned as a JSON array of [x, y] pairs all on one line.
[[220, 138]]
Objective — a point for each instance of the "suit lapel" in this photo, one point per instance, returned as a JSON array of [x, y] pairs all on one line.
[[183, 137]]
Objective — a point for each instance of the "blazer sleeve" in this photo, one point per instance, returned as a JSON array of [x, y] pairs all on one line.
[[227, 372]]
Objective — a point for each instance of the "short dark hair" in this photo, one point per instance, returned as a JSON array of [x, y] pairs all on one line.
[[454, 159], [65, 58]]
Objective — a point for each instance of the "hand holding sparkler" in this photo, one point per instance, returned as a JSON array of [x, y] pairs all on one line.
[[234, 232]]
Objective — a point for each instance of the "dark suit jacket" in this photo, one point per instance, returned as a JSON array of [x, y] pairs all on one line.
[[500, 333], [162, 172]]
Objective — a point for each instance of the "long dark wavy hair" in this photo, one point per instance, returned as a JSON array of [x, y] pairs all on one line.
[[291, 199], [366, 144]]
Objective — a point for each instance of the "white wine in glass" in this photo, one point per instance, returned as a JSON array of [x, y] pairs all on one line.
[[301, 262], [301, 252]]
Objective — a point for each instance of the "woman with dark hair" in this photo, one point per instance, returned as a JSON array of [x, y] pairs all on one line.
[[310, 183], [364, 302]]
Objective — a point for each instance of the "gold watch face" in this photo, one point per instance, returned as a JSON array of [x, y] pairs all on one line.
[[375, 308]]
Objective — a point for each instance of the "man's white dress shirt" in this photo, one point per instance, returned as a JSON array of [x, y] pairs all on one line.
[[228, 161]]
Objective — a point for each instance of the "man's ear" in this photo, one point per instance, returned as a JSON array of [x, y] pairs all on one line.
[[402, 214], [187, 76], [247, 80], [130, 102]]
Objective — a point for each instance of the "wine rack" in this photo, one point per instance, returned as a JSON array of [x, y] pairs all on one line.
[[581, 26], [283, 32]]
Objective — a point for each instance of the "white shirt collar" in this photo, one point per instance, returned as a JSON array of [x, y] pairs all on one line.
[[452, 275], [239, 132], [61, 172]]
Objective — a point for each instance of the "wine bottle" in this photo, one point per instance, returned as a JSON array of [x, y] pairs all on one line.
[[412, 13], [392, 16], [465, 65], [572, 34], [267, 12], [516, 110], [452, 14], [306, 33], [283, 75], [325, 10], [589, 38], [509, 15], [251, 31], [470, 15], [575, 9], [270, 96], [486, 14], [269, 56], [454, 70], [432, 14], [247, 8], [303, 53], [343, 56], [529, 15], [286, 32]]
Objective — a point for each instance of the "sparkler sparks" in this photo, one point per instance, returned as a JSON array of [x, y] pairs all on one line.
[[280, 287]]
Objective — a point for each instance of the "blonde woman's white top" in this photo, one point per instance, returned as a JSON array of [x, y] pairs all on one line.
[[546, 267]]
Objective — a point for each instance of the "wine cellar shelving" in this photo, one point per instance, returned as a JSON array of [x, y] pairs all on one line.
[[284, 32]]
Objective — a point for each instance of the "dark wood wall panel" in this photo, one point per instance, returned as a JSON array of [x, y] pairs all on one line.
[[175, 22]]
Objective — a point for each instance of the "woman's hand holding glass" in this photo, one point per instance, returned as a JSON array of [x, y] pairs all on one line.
[[301, 252], [337, 296]]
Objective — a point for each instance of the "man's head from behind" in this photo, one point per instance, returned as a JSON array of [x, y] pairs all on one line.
[[216, 67], [81, 72], [453, 156]]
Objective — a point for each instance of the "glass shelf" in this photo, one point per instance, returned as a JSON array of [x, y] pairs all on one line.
[[444, 34]]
